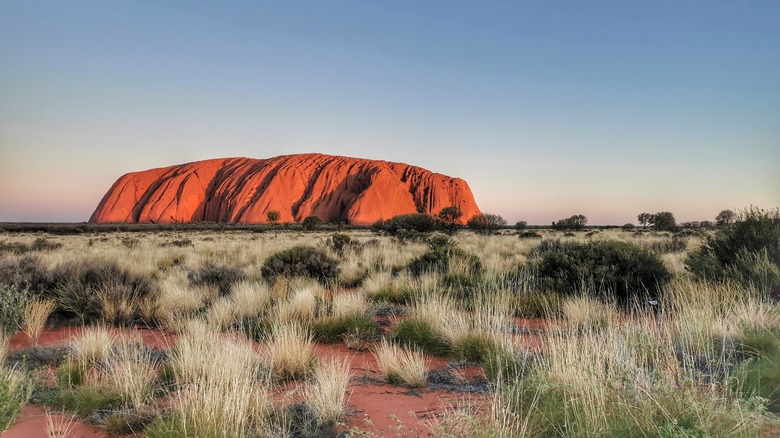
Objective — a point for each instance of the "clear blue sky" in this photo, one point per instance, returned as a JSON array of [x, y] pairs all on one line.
[[546, 108]]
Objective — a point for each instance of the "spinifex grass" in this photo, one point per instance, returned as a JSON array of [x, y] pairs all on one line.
[[401, 365], [36, 314], [327, 391], [289, 351]]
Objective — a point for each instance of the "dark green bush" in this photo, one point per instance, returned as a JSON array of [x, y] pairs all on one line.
[[417, 222], [438, 259], [416, 333], [27, 273], [734, 250], [223, 277], [80, 287], [529, 235], [311, 222], [620, 269], [301, 261], [340, 243]]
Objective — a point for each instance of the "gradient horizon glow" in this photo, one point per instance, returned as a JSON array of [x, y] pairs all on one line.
[[547, 109]]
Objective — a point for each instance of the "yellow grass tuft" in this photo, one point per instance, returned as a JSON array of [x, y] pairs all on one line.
[[399, 364], [349, 304], [251, 298], [92, 345], [327, 391], [289, 351], [36, 314]]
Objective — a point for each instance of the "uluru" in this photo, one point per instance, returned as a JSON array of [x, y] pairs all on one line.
[[243, 190]]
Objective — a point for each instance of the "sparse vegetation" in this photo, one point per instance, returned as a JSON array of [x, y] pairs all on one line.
[[229, 329]]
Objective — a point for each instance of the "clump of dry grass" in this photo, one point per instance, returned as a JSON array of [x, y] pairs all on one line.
[[300, 307], [58, 425], [220, 391], [221, 314], [583, 312], [346, 305], [289, 351], [401, 365], [177, 301], [92, 344], [132, 372], [36, 314], [327, 391], [251, 298]]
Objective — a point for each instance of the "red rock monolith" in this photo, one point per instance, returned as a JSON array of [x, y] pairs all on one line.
[[243, 190]]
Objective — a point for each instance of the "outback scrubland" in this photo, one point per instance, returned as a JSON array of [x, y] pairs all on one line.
[[209, 333]]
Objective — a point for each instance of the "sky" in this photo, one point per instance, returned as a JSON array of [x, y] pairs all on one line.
[[546, 108]]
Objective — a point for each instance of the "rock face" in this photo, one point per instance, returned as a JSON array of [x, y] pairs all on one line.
[[243, 190]]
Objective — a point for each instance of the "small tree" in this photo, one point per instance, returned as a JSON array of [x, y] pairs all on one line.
[[521, 225], [645, 219], [486, 223], [576, 222], [664, 221], [311, 222], [449, 217], [725, 218], [273, 219]]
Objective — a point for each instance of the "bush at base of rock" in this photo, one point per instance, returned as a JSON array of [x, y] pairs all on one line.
[[301, 261]]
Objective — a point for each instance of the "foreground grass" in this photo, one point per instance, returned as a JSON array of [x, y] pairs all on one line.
[[705, 365]]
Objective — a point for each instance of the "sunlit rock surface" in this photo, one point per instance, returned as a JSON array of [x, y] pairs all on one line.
[[243, 190]]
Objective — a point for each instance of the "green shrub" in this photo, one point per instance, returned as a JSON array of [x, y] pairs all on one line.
[[733, 251], [758, 342], [761, 377], [621, 269], [28, 273], [416, 222], [223, 277], [438, 260], [84, 400], [474, 347], [301, 261], [529, 235], [15, 390], [166, 426], [85, 288], [340, 242], [331, 330], [12, 304], [416, 333], [311, 222], [70, 374]]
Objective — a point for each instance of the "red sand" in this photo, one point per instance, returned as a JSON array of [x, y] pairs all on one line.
[[61, 335], [31, 423], [369, 399]]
